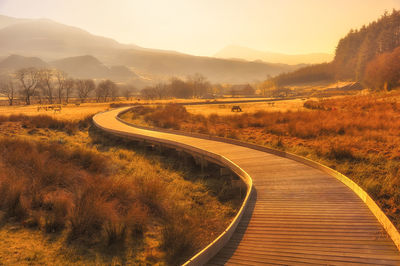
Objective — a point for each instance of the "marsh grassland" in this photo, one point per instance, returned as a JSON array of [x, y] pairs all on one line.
[[72, 195]]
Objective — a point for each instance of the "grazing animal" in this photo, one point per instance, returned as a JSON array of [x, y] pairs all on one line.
[[236, 108]]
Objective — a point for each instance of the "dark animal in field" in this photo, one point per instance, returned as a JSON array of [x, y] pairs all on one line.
[[236, 108], [57, 109]]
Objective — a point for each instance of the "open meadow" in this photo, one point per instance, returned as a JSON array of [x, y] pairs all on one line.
[[81, 110], [247, 107]]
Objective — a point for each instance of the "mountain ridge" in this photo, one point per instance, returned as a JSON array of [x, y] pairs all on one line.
[[245, 53], [53, 41]]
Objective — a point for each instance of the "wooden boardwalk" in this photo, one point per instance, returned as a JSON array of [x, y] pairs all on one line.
[[297, 215]]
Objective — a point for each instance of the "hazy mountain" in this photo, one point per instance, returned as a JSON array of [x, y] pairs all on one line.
[[88, 66], [221, 70], [51, 41], [82, 66], [239, 52], [15, 62], [121, 72], [8, 21], [76, 67]]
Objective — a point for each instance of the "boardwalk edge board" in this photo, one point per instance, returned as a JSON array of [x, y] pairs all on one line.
[[214, 247]]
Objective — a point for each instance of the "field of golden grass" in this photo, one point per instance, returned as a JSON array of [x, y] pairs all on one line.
[[72, 195], [247, 107], [70, 111], [357, 135], [73, 111]]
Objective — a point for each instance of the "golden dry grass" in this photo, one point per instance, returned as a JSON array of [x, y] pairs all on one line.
[[247, 107], [160, 183], [71, 111]]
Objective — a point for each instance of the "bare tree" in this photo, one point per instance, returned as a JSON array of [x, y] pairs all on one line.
[[267, 87], [199, 85], [161, 90], [29, 78], [7, 87], [217, 89], [114, 91], [46, 83], [148, 92], [61, 78], [106, 89], [100, 93], [69, 86], [84, 88], [127, 94], [180, 89]]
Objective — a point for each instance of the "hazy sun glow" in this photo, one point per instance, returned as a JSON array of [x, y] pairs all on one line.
[[202, 27]]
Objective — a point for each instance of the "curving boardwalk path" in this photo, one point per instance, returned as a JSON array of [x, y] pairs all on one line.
[[297, 215]]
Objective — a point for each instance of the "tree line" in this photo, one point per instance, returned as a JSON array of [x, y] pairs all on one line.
[[357, 57], [307, 74], [195, 86], [360, 47], [54, 86]]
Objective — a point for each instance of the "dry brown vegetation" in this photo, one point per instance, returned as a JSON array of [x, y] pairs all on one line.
[[103, 200], [359, 136]]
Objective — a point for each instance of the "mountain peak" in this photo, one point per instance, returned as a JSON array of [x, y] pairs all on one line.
[[14, 62]]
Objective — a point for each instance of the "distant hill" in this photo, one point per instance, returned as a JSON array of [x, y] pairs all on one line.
[[15, 62], [88, 66], [239, 52], [52, 41], [82, 66], [77, 67], [215, 69], [8, 21], [121, 72]]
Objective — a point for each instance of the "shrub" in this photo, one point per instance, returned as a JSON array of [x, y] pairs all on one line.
[[12, 201], [57, 205], [311, 104], [178, 239], [114, 229], [151, 193], [136, 220], [90, 160], [340, 153], [116, 105], [87, 215]]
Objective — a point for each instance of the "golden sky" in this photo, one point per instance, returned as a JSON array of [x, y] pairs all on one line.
[[202, 27]]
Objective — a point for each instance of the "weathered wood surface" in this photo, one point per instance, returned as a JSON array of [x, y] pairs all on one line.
[[298, 215]]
